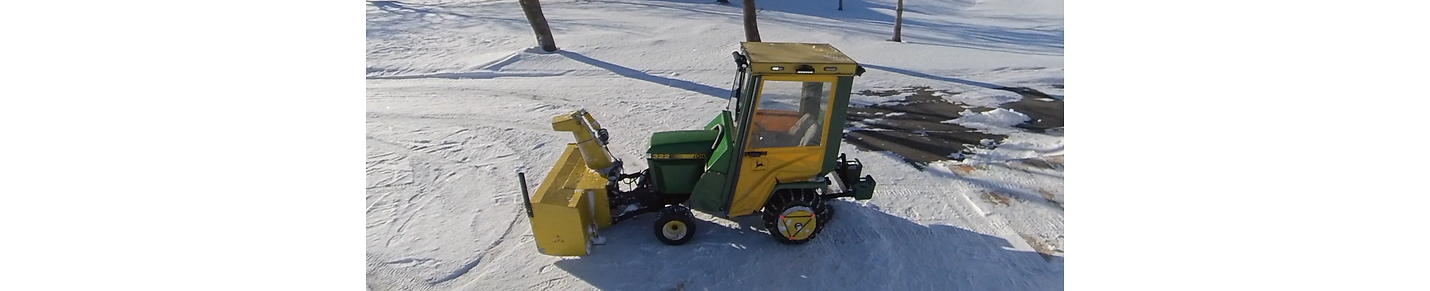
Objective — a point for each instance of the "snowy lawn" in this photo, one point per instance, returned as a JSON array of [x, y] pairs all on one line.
[[458, 102]]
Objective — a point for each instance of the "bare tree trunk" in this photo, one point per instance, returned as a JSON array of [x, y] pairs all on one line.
[[752, 31], [538, 24], [899, 23], [809, 98], [841, 5]]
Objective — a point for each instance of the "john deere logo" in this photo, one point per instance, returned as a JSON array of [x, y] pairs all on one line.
[[759, 165], [677, 156]]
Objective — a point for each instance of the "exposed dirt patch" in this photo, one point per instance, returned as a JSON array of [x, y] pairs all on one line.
[[1047, 163], [1051, 197], [995, 198], [1048, 195], [962, 169]]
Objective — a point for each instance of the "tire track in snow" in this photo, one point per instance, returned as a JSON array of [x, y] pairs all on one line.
[[475, 119], [390, 169], [452, 152], [482, 254], [441, 159], [1037, 221], [406, 91], [391, 277], [412, 208], [408, 261], [460, 271], [960, 225], [548, 284], [398, 185]]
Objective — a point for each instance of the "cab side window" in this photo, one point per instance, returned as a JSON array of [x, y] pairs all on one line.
[[790, 114]]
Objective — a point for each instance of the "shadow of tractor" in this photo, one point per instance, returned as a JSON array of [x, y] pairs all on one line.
[[862, 249]]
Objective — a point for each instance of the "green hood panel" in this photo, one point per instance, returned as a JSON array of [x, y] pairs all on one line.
[[683, 142], [677, 159]]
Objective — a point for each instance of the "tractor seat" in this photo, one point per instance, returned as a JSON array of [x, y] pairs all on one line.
[[807, 130]]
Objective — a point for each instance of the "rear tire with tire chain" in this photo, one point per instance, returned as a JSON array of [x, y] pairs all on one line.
[[797, 203]]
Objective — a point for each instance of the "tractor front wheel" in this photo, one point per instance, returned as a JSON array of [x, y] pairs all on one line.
[[675, 225], [793, 216]]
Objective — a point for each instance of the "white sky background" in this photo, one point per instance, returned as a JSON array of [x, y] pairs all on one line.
[[182, 145]]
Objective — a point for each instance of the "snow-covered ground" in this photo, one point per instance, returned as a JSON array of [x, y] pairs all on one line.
[[458, 102]]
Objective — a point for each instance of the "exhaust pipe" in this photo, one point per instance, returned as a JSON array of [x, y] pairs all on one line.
[[525, 197]]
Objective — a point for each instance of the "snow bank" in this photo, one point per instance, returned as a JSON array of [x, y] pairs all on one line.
[[999, 120], [861, 100], [1018, 145], [981, 97]]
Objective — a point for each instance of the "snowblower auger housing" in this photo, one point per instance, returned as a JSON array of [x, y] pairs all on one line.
[[774, 152]]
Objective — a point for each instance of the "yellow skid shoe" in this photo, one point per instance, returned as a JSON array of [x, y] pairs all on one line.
[[570, 205]]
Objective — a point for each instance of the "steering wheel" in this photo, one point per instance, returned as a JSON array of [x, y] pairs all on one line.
[[761, 134]]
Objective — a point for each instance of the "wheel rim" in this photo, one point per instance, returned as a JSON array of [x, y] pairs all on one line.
[[797, 223], [674, 230]]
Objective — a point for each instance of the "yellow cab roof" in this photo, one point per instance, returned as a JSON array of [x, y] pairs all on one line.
[[764, 57], [785, 52]]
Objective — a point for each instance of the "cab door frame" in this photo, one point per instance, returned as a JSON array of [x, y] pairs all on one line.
[[755, 176]]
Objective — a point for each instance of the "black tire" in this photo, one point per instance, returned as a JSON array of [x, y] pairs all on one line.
[[679, 221], [787, 200], [826, 215]]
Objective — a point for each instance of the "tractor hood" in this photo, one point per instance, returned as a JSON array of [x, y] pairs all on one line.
[[677, 159], [682, 144]]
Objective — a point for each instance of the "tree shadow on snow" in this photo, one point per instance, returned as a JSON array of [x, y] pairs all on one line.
[[862, 249], [638, 75]]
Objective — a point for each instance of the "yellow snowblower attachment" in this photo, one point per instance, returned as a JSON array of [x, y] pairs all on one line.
[[571, 205]]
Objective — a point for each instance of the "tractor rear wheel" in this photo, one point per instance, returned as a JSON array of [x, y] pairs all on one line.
[[792, 216], [826, 215], [675, 225]]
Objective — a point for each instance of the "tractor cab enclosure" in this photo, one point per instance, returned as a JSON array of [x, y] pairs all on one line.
[[782, 128]]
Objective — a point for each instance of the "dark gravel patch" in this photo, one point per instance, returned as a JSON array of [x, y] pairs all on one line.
[[918, 134], [1044, 112]]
